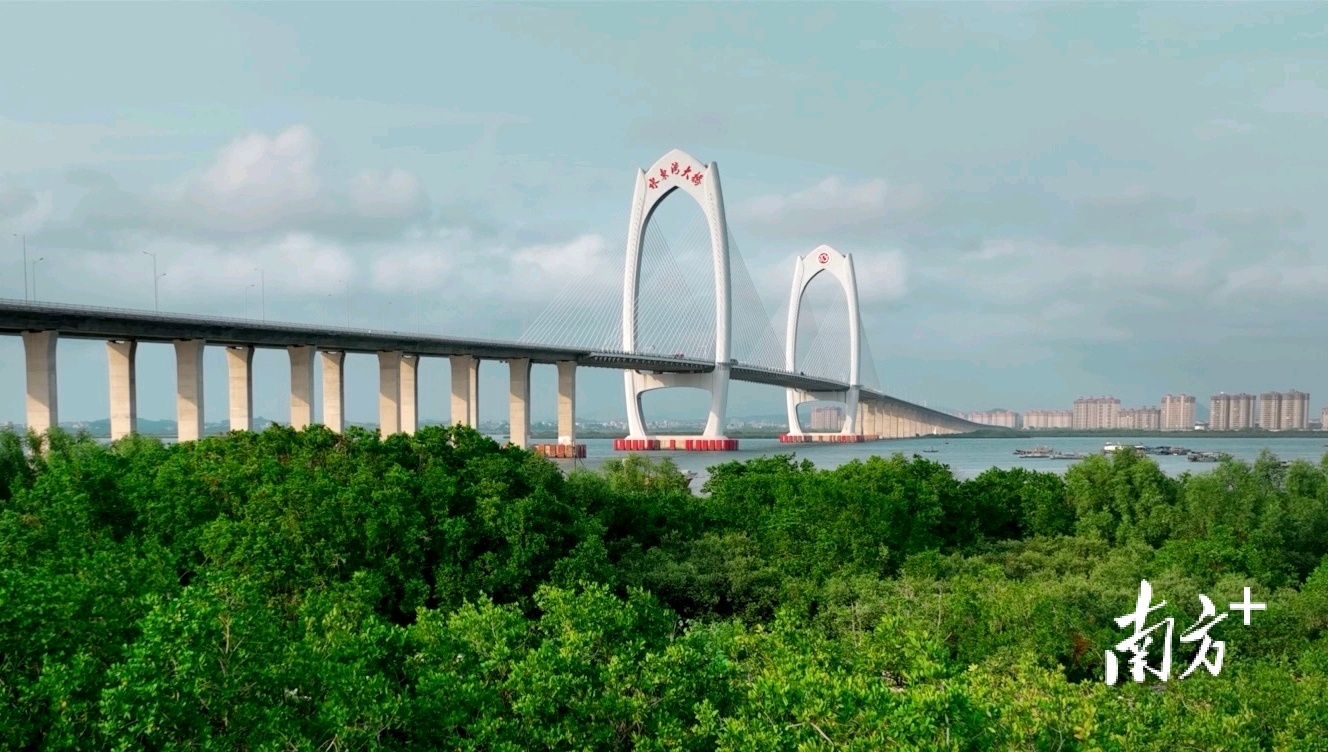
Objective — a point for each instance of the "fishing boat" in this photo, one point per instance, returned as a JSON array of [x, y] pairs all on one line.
[[1112, 448], [1208, 456], [931, 451], [1067, 455], [1039, 452]]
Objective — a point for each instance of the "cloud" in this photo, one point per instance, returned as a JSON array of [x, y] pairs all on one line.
[[22, 209], [1300, 97], [257, 180], [832, 206], [262, 184], [294, 265]]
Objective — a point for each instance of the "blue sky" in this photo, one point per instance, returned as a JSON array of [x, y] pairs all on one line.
[[1044, 201]]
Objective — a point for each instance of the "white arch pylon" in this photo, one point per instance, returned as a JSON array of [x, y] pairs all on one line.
[[678, 170], [806, 268]]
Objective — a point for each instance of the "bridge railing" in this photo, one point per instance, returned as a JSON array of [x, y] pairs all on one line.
[[190, 318]]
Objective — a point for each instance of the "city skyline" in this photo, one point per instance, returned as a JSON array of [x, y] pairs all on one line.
[[1271, 410], [1084, 243]]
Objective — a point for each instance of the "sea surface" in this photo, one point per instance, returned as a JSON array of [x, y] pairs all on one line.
[[968, 458]]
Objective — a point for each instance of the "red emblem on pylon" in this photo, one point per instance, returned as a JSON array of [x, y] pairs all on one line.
[[824, 258]]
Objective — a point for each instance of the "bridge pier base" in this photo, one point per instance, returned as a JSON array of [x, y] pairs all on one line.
[[120, 356], [189, 389], [465, 390], [389, 392], [301, 385], [676, 444], [566, 448], [43, 412], [240, 364], [333, 365]]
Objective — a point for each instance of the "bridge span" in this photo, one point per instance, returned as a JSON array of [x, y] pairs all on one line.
[[42, 325], [868, 413]]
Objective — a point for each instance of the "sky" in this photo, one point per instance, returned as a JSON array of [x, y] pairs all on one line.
[[1043, 201]]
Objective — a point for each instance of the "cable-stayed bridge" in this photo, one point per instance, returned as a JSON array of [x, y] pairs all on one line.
[[688, 315]]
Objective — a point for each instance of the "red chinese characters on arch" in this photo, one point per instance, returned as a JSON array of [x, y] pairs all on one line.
[[678, 171]]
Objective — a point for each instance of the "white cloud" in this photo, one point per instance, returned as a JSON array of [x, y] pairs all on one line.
[[256, 180], [421, 267], [276, 184], [1298, 96], [830, 206], [582, 259], [391, 194], [1277, 279], [881, 275], [22, 210], [294, 265]]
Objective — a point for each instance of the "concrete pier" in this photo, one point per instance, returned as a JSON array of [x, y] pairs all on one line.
[[410, 393], [43, 409], [389, 392], [301, 385], [189, 389], [240, 367], [566, 402], [121, 357], [518, 405], [333, 364], [465, 390]]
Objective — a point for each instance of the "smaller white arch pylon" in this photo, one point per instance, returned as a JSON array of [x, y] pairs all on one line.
[[805, 269]]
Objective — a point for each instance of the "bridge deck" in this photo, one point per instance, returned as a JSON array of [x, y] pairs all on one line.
[[89, 322]]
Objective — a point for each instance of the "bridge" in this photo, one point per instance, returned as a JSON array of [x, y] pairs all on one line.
[[571, 338]]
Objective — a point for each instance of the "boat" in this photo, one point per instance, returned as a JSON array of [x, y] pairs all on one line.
[[1208, 456], [1110, 448], [1067, 455], [1039, 452], [931, 451]]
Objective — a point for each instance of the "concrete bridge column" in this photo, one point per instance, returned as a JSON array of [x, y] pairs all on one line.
[[410, 393], [301, 385], [518, 405], [189, 389], [389, 392], [334, 389], [896, 425], [120, 356], [566, 402], [43, 410], [465, 390], [240, 366]]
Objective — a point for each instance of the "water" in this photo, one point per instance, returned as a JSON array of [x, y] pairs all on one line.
[[967, 458]]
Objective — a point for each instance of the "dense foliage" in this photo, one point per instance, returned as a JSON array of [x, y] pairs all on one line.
[[314, 591]]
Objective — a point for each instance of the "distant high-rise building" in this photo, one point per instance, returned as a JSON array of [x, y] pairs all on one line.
[[1270, 411], [1219, 412], [826, 418], [1141, 419], [1001, 418], [1043, 419], [1323, 419], [1178, 412], [1242, 412], [1092, 413], [1295, 410]]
